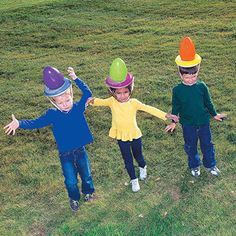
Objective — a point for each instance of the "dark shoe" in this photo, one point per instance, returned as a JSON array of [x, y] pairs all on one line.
[[88, 197], [74, 205]]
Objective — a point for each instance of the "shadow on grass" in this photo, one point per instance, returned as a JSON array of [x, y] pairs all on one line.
[[189, 185]]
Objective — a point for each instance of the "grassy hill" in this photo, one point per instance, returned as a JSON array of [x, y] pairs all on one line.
[[88, 35]]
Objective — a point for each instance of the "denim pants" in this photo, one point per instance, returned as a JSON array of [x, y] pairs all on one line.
[[72, 163], [130, 149], [191, 135]]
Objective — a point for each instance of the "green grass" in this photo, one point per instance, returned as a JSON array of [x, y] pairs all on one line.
[[88, 35]]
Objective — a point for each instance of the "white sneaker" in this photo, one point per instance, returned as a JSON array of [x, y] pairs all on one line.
[[143, 172], [135, 185], [195, 171], [214, 171]]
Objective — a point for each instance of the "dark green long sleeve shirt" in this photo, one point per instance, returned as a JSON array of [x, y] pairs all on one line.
[[193, 104]]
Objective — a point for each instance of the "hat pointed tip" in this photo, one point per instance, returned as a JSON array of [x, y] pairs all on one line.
[[187, 49]]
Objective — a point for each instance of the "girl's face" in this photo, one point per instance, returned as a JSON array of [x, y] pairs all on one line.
[[122, 94], [64, 102], [189, 79]]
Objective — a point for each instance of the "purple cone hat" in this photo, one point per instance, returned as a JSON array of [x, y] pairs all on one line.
[[113, 84], [54, 81]]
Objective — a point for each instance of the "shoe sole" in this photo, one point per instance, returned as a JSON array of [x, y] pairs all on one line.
[[135, 191], [217, 175]]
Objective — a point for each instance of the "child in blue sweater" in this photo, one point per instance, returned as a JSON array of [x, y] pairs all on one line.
[[69, 128]]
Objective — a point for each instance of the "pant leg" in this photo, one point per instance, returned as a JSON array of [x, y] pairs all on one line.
[[83, 167], [190, 145], [136, 146], [207, 146], [125, 148], [70, 174]]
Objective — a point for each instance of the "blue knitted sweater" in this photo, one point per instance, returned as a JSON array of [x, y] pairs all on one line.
[[70, 129]]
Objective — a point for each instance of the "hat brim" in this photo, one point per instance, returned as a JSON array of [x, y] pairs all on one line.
[[197, 60], [112, 84], [56, 92]]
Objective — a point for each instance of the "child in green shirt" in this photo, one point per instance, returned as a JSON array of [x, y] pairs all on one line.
[[191, 100]]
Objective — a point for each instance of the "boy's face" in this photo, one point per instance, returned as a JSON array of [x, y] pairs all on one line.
[[189, 79], [64, 102], [122, 94]]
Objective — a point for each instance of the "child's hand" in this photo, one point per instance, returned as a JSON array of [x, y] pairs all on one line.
[[90, 101], [220, 117], [170, 127], [172, 117], [71, 73], [11, 127]]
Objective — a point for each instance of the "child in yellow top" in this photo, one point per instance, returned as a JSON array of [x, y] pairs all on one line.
[[124, 126]]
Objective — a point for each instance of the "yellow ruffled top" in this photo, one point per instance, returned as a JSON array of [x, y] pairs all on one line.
[[124, 125]]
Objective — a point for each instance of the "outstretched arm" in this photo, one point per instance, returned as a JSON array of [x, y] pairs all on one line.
[[40, 122], [156, 112], [100, 102], [12, 126]]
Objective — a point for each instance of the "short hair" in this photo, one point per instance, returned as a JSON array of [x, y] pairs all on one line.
[[188, 70]]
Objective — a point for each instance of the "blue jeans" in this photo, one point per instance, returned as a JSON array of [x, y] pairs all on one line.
[[72, 163], [191, 135], [128, 150]]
